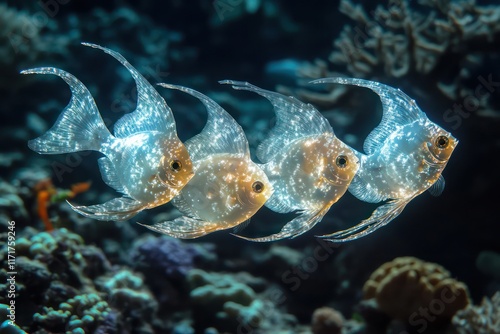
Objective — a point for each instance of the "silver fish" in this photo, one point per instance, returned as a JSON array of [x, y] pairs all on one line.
[[308, 166], [405, 156], [228, 187], [144, 159]]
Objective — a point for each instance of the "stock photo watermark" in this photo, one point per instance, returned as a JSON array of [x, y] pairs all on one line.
[[426, 315], [371, 29], [292, 278], [11, 273], [35, 22], [471, 102]]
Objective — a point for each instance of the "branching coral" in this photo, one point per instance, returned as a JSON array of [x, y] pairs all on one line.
[[484, 318], [438, 46], [406, 286], [81, 314]]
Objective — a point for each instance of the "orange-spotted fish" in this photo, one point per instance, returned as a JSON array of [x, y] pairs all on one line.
[[228, 187], [309, 167], [144, 159], [406, 154]]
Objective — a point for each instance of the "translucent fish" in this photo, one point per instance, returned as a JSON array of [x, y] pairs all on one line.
[[405, 155], [144, 159], [309, 167], [228, 187]]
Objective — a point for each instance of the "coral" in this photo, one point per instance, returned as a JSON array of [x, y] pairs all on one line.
[[25, 40], [128, 294], [70, 286], [326, 320], [407, 285], [8, 326], [81, 314], [172, 257], [484, 318], [434, 48], [222, 300]]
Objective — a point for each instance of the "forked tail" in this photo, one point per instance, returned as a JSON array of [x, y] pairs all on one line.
[[79, 127]]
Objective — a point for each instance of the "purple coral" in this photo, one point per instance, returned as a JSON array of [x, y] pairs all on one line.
[[172, 257]]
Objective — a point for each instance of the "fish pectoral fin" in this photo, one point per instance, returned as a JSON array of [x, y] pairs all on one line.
[[121, 208], [437, 188], [297, 226], [109, 175], [382, 216], [184, 227], [242, 226]]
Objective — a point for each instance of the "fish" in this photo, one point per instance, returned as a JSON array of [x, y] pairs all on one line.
[[309, 167], [228, 188], [144, 160], [405, 156]]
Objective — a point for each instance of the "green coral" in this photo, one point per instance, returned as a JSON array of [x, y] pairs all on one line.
[[128, 294], [81, 314], [229, 303]]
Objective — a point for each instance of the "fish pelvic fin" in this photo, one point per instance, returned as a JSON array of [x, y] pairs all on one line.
[[184, 227], [79, 127], [297, 226], [382, 216], [122, 208]]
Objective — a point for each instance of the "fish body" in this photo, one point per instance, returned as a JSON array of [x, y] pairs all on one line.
[[144, 159], [406, 155], [228, 187], [306, 171], [309, 167]]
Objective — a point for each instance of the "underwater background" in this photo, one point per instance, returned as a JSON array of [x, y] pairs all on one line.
[[434, 269]]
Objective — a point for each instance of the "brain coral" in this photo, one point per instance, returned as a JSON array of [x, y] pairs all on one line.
[[407, 287]]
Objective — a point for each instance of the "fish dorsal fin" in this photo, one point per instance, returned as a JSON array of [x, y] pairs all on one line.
[[294, 120], [398, 109], [221, 133], [437, 188], [152, 112]]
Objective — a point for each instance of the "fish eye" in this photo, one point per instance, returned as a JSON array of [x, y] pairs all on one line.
[[442, 141], [341, 161], [175, 165], [258, 187]]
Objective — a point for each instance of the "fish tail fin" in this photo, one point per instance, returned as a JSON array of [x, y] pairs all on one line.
[[297, 226], [79, 127], [382, 216]]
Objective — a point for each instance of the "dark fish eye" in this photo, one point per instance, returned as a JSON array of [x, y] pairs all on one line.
[[258, 187], [341, 161], [442, 141], [175, 165]]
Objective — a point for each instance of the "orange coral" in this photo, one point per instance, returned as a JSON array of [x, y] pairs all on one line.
[[407, 286], [46, 193]]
